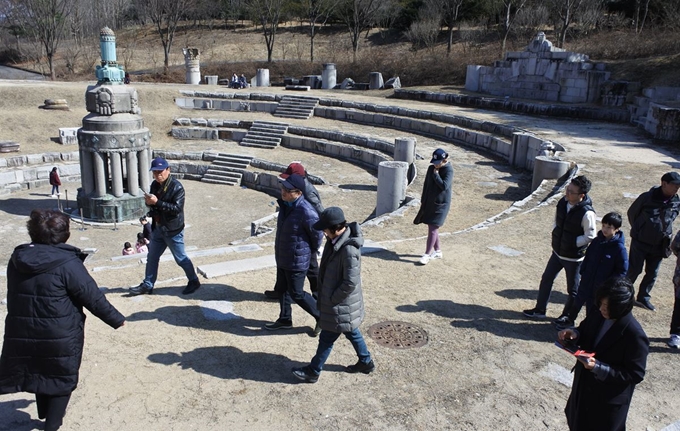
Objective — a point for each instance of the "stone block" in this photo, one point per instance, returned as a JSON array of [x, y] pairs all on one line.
[[211, 79], [68, 135], [180, 133], [34, 159]]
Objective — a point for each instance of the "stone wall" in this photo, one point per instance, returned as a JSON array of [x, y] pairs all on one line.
[[517, 106], [32, 171]]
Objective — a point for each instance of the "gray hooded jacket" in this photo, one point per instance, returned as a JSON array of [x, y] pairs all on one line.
[[341, 303]]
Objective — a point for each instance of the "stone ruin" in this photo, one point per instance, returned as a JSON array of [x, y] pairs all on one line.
[[541, 72], [114, 145]]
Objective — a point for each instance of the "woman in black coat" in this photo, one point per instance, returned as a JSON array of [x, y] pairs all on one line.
[[435, 202], [47, 288], [604, 383]]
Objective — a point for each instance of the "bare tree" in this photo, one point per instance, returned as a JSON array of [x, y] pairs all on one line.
[[316, 12], [359, 16], [43, 20], [424, 31], [165, 15], [530, 19], [641, 6], [267, 14], [563, 13], [450, 10], [510, 9]]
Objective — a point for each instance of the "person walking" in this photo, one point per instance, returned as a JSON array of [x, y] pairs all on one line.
[[651, 219], [166, 209], [47, 289], [311, 195], [296, 241], [435, 202], [674, 339], [574, 230], [55, 181], [341, 302], [604, 382]]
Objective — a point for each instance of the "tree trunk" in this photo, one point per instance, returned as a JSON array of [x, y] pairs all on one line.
[[449, 42], [311, 44]]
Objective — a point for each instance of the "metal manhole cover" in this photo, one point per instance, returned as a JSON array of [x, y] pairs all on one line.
[[398, 335]]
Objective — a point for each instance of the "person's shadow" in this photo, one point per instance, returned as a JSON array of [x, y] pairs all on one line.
[[228, 362], [192, 316], [485, 319], [14, 419]]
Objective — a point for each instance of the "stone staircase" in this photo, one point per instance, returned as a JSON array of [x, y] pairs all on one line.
[[264, 134], [296, 107], [227, 169]]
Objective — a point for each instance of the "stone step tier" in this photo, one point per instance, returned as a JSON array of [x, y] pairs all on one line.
[[227, 169], [296, 107], [264, 134]]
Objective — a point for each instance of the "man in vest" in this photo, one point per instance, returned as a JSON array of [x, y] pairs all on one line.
[[574, 229]]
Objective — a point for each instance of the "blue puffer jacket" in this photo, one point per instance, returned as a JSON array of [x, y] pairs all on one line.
[[604, 259], [296, 239]]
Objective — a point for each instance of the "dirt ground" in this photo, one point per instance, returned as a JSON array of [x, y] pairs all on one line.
[[177, 365]]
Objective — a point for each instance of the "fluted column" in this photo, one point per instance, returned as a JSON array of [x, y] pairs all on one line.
[[116, 175], [133, 173], [144, 165], [99, 175], [86, 171]]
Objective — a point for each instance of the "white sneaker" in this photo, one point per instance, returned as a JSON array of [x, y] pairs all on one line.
[[437, 254], [425, 259], [674, 341]]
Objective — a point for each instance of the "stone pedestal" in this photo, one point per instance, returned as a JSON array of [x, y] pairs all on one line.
[[375, 81], [328, 76], [192, 64], [405, 151], [391, 186], [548, 168], [262, 78], [211, 79]]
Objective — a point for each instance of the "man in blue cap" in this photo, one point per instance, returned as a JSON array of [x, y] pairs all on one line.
[[166, 203]]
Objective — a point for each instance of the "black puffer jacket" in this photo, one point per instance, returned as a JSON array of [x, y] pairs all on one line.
[[168, 213], [651, 217], [47, 288]]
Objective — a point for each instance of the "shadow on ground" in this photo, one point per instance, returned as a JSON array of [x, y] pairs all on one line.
[[25, 206], [14, 419], [485, 319]]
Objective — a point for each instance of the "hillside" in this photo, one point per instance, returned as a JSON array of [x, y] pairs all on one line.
[[652, 57]]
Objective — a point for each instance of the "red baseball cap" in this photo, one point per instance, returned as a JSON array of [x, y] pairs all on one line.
[[294, 168]]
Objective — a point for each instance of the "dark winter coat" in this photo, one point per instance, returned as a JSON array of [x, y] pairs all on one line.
[[341, 303], [312, 196], [47, 288], [604, 259], [598, 405], [651, 218], [168, 213], [296, 239], [568, 227], [435, 201], [54, 178]]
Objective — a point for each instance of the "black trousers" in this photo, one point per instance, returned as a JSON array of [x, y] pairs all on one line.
[[52, 408]]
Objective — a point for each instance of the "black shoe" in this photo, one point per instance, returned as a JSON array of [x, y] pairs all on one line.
[[305, 374], [534, 313], [142, 289], [192, 287], [361, 367], [316, 331], [563, 322], [279, 324], [272, 294], [645, 303]]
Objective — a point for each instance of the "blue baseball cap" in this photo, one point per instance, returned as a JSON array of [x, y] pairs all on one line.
[[438, 156], [159, 164], [294, 181]]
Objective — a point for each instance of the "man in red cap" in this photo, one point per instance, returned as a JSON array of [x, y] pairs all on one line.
[[311, 195]]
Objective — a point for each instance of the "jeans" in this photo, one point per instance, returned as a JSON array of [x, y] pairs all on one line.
[[641, 255], [159, 242], [55, 190], [552, 269], [326, 340], [52, 408], [291, 285]]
